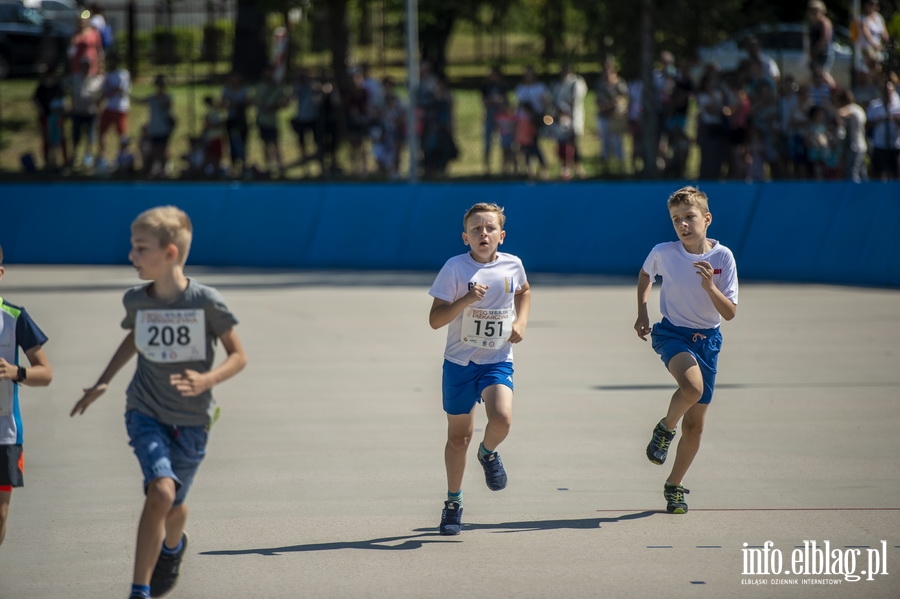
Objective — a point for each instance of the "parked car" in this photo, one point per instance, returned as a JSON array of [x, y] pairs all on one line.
[[29, 43], [64, 12], [788, 45]]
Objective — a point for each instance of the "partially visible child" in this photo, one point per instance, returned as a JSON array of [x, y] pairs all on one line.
[[48, 90], [818, 148], [855, 149], [17, 330], [269, 99], [699, 289], [125, 161], [213, 136], [55, 134], [527, 139], [505, 119], [116, 89], [159, 128], [86, 92], [565, 144], [195, 158], [484, 299], [173, 325]]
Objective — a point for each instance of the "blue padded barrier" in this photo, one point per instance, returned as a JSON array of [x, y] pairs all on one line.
[[834, 232]]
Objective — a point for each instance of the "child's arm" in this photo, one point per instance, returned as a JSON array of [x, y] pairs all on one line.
[[523, 307], [642, 324], [443, 312], [192, 383], [123, 354], [39, 374], [724, 306]]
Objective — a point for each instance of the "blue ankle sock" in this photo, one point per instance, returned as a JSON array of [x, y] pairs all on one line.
[[457, 497], [483, 452], [168, 551], [141, 589]]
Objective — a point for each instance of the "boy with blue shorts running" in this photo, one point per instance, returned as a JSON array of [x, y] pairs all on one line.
[[699, 288], [484, 297], [173, 323]]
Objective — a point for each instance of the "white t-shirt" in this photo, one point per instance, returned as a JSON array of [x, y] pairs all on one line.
[[855, 122], [885, 130], [503, 277], [533, 93], [682, 299], [117, 89]]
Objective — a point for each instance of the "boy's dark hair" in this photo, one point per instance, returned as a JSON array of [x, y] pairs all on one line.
[[1, 254]]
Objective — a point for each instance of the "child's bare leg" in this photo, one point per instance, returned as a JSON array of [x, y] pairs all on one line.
[[4, 512], [175, 521], [498, 401], [691, 429], [459, 434], [686, 372], [152, 527]]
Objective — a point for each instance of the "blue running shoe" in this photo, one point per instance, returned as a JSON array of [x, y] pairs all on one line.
[[674, 495], [451, 518], [658, 449], [494, 474], [165, 574]]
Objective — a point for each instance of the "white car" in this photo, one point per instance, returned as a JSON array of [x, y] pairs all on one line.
[[787, 44]]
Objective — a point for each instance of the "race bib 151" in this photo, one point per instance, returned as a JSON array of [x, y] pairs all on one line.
[[487, 329]]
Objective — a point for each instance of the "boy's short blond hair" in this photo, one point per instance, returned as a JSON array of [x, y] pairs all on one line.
[[485, 207], [169, 225], [690, 196]]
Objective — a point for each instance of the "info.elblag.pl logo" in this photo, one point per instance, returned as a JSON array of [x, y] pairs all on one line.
[[812, 561]]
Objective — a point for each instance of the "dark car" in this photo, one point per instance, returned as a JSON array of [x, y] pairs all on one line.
[[29, 43]]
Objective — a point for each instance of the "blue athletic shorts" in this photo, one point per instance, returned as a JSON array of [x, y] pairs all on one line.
[[463, 385], [704, 344], [166, 451]]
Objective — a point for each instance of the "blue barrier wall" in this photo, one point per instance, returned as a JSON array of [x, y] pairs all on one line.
[[804, 232]]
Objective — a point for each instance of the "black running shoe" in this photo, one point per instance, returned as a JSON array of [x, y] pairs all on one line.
[[494, 474], [674, 495], [658, 448], [165, 574], [451, 518]]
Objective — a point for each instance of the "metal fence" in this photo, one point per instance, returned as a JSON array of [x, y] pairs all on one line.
[[165, 32]]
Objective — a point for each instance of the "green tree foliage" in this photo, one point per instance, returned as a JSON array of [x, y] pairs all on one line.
[[567, 29]]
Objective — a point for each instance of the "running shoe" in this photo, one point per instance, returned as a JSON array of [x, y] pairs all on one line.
[[674, 495], [165, 575], [494, 474], [658, 448], [451, 518]]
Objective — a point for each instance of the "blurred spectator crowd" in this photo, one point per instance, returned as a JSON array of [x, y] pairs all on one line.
[[751, 124]]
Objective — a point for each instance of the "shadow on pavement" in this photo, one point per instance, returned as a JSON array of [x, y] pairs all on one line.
[[429, 535]]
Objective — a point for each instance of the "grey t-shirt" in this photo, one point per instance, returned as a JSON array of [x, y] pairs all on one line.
[[171, 338]]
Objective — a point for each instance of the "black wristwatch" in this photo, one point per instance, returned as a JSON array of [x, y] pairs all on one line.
[[22, 375]]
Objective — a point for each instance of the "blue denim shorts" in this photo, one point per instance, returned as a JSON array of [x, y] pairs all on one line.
[[463, 385], [166, 451], [704, 344]]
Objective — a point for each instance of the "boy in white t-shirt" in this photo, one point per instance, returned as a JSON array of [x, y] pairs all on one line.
[[116, 89], [484, 297], [699, 288]]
